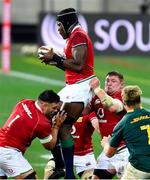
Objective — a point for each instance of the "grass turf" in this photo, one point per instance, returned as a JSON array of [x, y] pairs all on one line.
[[135, 70]]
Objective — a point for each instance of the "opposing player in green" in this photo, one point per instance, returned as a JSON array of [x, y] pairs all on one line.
[[134, 128]]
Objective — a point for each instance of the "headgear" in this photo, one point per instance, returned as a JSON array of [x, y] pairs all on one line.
[[68, 17]]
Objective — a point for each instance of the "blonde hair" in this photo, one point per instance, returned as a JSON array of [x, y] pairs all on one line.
[[131, 95]]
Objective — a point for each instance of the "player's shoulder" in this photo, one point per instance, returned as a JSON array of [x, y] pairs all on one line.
[[27, 100], [78, 32], [27, 104], [117, 95]]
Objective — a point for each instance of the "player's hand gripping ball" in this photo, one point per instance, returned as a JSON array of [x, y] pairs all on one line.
[[46, 53]]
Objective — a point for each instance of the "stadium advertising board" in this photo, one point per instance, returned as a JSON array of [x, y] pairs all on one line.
[[122, 34]]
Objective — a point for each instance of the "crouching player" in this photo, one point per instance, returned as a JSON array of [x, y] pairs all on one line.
[[28, 120]]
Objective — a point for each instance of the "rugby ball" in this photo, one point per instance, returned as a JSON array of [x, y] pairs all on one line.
[[43, 50]]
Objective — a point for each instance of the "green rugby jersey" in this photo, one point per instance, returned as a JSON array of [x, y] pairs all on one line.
[[134, 128]]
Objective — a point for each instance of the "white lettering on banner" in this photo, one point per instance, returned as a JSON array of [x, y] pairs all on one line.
[[139, 39], [134, 35], [130, 35], [107, 33], [102, 34], [25, 107]]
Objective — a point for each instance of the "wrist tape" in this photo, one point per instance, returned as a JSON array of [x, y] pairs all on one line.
[[97, 89], [107, 101], [58, 60]]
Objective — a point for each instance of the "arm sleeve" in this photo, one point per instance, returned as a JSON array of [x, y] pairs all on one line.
[[117, 134], [46, 139], [79, 39], [92, 116], [44, 131], [119, 105], [94, 121]]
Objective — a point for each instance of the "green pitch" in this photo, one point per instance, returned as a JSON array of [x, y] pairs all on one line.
[[34, 77]]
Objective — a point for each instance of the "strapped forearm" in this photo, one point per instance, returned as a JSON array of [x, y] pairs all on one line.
[[105, 99], [108, 101]]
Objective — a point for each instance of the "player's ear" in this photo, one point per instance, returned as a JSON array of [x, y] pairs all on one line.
[[122, 84]]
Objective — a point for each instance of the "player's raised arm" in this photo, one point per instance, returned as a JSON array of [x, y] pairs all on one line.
[[113, 104]]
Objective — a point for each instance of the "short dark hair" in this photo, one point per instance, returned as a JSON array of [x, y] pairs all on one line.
[[115, 73], [49, 96]]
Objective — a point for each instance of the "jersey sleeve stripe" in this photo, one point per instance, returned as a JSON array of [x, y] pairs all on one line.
[[46, 139], [78, 45]]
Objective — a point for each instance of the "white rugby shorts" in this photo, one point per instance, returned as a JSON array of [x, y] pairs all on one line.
[[85, 162], [118, 162], [12, 162], [78, 92]]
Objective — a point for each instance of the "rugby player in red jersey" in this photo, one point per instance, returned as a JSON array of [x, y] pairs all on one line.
[[78, 64], [28, 120], [84, 158], [110, 110]]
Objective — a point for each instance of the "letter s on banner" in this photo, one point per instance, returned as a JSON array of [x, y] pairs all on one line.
[[100, 32]]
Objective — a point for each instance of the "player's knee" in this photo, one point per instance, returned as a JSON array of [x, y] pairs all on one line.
[[103, 174], [31, 176]]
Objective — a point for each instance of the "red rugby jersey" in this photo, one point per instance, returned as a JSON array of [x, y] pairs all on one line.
[[107, 119], [78, 37], [82, 131], [25, 123]]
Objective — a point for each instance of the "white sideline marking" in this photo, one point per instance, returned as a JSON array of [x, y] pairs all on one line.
[[39, 164], [46, 156], [36, 78], [45, 80], [146, 100]]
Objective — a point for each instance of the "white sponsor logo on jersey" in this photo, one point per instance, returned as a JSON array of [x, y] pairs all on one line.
[[25, 107]]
